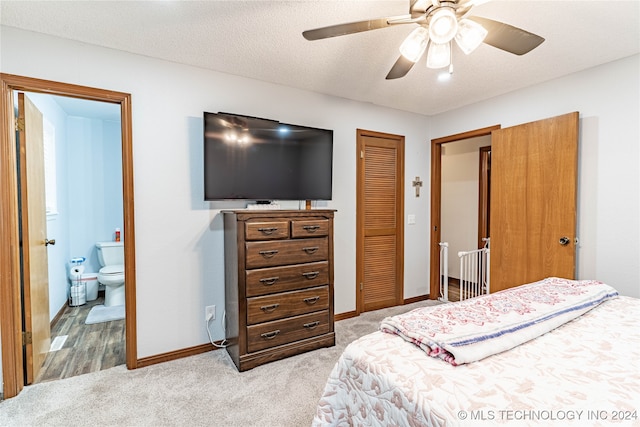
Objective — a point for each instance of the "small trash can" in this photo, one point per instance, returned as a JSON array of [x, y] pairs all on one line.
[[91, 283]]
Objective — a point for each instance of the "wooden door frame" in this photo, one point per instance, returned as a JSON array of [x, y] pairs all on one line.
[[484, 207], [436, 200], [360, 216], [10, 299]]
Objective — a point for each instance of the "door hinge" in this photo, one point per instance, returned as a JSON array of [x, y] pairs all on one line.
[[361, 154], [361, 287], [20, 124], [27, 338]]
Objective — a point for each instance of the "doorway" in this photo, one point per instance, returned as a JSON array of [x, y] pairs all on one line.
[[436, 199], [380, 220], [11, 312], [465, 213], [533, 201], [83, 192]]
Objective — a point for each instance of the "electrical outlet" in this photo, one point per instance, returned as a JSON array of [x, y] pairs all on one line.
[[210, 312]]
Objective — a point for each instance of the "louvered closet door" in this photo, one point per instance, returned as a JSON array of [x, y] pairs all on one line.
[[380, 220]]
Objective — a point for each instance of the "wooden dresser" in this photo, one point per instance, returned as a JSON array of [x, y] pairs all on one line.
[[278, 283]]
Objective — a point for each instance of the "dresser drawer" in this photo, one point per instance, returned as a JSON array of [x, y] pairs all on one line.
[[270, 230], [286, 252], [264, 281], [278, 332], [286, 304], [309, 228]]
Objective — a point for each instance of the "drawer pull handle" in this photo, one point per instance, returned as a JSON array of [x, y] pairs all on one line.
[[269, 254], [311, 228], [270, 335], [269, 308], [311, 250], [311, 325], [267, 230], [311, 274], [268, 281], [311, 300]]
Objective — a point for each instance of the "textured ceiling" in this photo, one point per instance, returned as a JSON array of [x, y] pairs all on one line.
[[262, 40]]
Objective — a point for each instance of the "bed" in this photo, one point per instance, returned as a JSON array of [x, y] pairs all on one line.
[[585, 371]]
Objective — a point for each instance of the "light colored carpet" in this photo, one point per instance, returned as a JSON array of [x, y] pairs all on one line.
[[202, 390], [100, 313]]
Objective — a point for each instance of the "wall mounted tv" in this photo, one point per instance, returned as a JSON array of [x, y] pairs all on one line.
[[259, 159]]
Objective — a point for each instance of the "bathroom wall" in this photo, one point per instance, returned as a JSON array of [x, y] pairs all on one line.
[[94, 174]]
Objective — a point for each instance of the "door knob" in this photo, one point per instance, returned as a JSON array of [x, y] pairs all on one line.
[[48, 242], [564, 241]]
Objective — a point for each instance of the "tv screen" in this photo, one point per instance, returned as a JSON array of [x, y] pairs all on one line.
[[259, 159]]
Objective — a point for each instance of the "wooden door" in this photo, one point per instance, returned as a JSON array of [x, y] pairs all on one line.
[[33, 223], [533, 201], [380, 226]]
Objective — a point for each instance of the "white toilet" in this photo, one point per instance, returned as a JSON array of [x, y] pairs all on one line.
[[111, 275]]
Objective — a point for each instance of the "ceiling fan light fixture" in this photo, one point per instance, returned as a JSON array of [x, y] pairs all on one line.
[[415, 44], [479, 2], [470, 35], [439, 55], [443, 25]]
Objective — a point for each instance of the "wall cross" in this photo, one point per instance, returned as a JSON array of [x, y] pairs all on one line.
[[417, 184]]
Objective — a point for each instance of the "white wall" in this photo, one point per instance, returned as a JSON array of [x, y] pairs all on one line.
[[179, 244], [607, 98]]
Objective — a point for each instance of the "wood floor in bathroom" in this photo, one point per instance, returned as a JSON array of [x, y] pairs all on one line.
[[88, 348]]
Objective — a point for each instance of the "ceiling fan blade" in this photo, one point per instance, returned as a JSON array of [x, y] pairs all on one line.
[[400, 68], [355, 27], [507, 37]]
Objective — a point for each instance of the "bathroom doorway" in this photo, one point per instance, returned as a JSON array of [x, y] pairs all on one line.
[[14, 334], [82, 153]]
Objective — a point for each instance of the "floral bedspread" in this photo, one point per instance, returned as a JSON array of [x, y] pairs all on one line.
[[479, 327], [586, 372]]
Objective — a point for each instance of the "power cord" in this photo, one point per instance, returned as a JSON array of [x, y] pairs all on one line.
[[224, 343]]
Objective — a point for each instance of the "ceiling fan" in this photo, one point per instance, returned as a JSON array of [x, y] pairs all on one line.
[[439, 23]]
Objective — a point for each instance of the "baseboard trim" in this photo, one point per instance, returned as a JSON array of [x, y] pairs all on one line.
[[351, 314], [178, 354], [57, 317], [416, 299], [344, 316]]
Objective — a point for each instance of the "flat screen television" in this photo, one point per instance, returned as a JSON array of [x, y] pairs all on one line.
[[259, 159]]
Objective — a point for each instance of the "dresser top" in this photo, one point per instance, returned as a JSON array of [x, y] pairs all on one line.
[[277, 213]]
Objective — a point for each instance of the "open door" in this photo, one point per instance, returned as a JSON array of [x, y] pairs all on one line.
[[533, 201], [34, 242]]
